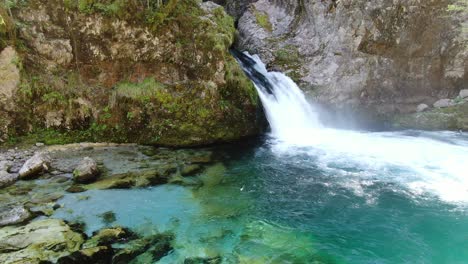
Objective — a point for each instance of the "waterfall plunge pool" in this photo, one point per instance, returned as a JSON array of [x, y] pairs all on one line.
[[307, 194]]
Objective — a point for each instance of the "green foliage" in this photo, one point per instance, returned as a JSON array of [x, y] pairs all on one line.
[[151, 12], [263, 20], [289, 58], [459, 5]]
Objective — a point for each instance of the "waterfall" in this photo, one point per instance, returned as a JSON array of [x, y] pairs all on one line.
[[290, 116], [423, 162]]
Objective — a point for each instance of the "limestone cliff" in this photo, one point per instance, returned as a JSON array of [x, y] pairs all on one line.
[[125, 72], [383, 57]]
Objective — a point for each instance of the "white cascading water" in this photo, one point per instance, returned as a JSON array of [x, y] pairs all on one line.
[[435, 163]]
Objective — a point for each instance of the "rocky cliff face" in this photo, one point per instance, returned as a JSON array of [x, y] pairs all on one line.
[[117, 71], [382, 56]]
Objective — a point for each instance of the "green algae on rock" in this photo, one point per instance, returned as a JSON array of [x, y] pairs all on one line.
[[165, 78], [453, 117], [45, 240]]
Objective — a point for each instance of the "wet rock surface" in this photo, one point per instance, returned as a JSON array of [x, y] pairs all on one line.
[[30, 234], [36, 165], [45, 240], [14, 214], [87, 171]]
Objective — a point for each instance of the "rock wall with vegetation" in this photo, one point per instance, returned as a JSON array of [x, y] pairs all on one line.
[[152, 72], [381, 57]]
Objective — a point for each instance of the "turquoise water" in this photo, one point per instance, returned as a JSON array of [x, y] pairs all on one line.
[[270, 206]]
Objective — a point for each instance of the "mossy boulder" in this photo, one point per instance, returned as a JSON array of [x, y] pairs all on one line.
[[100, 73], [452, 117], [45, 240]]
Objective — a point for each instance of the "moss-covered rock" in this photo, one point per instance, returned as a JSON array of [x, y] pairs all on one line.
[[97, 72], [453, 117], [45, 240]]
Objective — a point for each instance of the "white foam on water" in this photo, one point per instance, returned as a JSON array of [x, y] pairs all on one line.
[[437, 165]]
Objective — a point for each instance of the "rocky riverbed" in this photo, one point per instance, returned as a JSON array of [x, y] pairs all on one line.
[[35, 179]]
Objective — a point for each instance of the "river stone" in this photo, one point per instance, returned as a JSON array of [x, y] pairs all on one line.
[[443, 103], [12, 215], [7, 179], [44, 240], [87, 171], [37, 164], [422, 108], [464, 93]]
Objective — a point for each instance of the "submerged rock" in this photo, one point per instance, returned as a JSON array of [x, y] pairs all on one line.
[[12, 215], [159, 245], [214, 260], [37, 164], [189, 170], [87, 171], [95, 255], [108, 217], [76, 189], [135, 179], [44, 240], [108, 236]]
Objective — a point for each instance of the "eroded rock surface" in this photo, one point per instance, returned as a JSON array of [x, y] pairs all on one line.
[[9, 84], [382, 56], [126, 77]]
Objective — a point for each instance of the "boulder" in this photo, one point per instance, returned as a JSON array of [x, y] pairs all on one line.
[[443, 103], [44, 240], [422, 108], [6, 178], [33, 167], [12, 215], [87, 171], [75, 189], [464, 93]]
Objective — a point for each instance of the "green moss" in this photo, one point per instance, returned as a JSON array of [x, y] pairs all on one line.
[[152, 13], [289, 59], [452, 118], [149, 87], [201, 109], [263, 20]]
